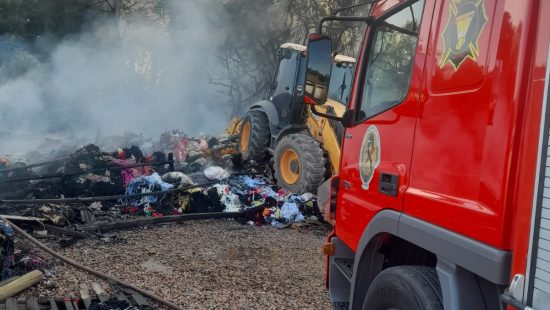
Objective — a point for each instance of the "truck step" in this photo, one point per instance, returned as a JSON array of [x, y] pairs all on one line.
[[341, 305], [345, 265]]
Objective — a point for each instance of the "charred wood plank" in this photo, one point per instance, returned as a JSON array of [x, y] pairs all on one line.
[[17, 218], [85, 295], [157, 220], [102, 198], [87, 216], [39, 164], [139, 300], [32, 304], [100, 292], [82, 172], [68, 303], [11, 304], [53, 304], [66, 231], [119, 294], [74, 300]]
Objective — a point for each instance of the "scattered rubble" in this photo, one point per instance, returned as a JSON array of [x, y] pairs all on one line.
[[91, 191]]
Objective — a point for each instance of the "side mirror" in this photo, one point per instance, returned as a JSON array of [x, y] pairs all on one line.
[[318, 69]]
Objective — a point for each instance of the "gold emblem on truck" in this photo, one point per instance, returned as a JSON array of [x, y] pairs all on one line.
[[369, 158], [460, 37]]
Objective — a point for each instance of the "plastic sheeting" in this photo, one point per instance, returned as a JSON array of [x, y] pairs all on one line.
[[176, 177], [216, 173], [230, 200]]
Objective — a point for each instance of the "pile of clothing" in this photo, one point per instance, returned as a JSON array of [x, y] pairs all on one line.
[[195, 177], [258, 198], [264, 203]]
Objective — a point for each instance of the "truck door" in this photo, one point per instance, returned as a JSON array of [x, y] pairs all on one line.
[[377, 150]]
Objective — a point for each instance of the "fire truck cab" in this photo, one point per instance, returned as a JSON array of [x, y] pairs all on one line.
[[442, 200]]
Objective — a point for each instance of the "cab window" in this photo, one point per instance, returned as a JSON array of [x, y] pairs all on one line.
[[286, 74], [340, 81], [390, 62]]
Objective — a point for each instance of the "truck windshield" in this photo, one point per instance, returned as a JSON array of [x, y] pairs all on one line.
[[340, 82]]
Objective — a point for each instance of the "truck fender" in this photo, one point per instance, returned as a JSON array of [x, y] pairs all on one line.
[[272, 115], [367, 260], [461, 261]]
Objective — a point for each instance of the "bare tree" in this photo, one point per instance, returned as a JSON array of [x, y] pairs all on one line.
[[255, 29], [118, 7], [253, 32]]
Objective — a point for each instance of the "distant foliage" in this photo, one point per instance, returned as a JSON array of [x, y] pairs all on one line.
[[30, 19]]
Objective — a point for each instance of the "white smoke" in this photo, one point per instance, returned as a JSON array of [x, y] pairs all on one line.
[[145, 76]]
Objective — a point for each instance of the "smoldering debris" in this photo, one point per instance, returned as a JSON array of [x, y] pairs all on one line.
[[179, 175], [91, 192]]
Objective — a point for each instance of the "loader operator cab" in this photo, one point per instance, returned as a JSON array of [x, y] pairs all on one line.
[[286, 91], [304, 148]]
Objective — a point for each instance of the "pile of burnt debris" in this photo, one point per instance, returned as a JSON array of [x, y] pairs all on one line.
[[91, 190], [67, 196]]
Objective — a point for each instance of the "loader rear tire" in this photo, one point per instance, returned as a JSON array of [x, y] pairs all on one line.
[[255, 136], [405, 287], [299, 163]]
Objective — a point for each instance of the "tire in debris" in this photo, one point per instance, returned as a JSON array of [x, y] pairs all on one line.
[[255, 136], [405, 287], [299, 163]]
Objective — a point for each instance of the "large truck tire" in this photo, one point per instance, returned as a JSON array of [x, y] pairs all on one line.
[[299, 163], [254, 136], [405, 287]]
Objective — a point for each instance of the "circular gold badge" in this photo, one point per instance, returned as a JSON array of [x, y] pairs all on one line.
[[369, 158]]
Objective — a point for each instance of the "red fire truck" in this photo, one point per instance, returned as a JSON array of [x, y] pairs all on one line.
[[442, 200]]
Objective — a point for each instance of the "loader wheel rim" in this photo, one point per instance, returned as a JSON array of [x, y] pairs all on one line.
[[245, 136], [289, 166]]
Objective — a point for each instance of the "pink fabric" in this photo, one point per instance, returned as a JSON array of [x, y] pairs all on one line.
[[129, 173]]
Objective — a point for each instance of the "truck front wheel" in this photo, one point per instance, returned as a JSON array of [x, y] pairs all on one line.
[[299, 163], [254, 136], [405, 287]]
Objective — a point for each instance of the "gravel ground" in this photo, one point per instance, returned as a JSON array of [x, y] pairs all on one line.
[[210, 264]]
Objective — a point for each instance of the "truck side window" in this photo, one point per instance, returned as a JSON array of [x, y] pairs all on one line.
[[390, 63]]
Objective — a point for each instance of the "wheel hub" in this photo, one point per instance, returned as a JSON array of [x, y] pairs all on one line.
[[295, 166], [289, 166]]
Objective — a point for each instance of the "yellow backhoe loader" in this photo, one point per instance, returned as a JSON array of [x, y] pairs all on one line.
[[304, 148]]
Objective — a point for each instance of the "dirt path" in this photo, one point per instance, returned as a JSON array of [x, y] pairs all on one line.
[[207, 264]]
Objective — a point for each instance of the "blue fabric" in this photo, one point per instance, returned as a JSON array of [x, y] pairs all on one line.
[[145, 184], [8, 248], [6, 228]]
